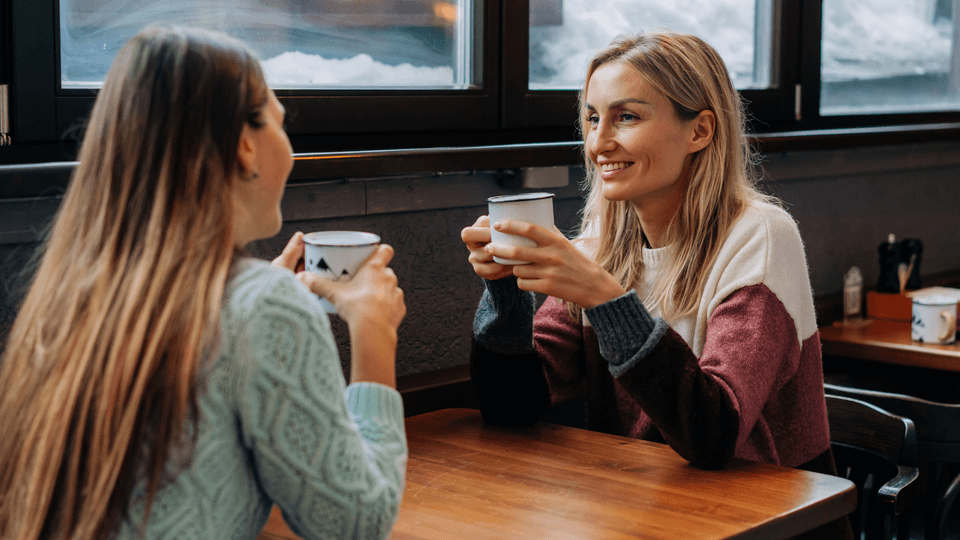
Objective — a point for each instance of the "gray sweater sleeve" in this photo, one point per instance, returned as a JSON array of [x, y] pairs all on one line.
[[504, 320], [625, 331]]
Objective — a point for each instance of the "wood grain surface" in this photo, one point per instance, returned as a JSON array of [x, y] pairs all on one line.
[[887, 342], [468, 480]]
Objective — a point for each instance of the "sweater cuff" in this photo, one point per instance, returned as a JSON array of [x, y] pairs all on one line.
[[375, 401], [504, 320], [625, 331]]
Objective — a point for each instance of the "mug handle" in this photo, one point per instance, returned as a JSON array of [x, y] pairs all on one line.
[[950, 316]]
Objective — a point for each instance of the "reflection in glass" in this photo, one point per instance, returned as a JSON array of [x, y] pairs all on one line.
[[565, 34], [889, 56], [304, 44]]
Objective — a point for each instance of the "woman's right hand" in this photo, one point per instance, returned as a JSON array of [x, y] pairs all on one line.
[[476, 237], [372, 305]]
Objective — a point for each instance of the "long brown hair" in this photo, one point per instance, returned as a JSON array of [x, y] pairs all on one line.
[[722, 176], [99, 379]]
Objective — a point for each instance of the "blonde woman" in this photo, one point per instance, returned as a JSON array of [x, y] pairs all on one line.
[[683, 312], [156, 382]]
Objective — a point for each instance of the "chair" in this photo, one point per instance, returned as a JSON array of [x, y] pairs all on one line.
[[938, 444], [875, 450]]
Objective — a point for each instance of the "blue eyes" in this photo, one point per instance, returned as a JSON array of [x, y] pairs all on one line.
[[594, 119]]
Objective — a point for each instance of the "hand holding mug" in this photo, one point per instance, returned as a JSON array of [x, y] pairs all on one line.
[[372, 294], [476, 237], [291, 257], [555, 266]]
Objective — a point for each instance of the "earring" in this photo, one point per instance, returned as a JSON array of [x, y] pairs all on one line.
[[254, 174]]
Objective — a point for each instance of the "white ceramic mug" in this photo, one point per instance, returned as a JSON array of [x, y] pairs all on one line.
[[934, 319], [337, 255], [536, 208]]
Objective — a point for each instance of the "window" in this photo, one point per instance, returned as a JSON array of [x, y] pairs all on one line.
[[315, 44], [755, 38], [563, 40], [889, 56]]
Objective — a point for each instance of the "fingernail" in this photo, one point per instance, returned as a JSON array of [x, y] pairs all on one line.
[[498, 225]]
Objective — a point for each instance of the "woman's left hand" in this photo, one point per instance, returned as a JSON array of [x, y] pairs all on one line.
[[292, 256], [557, 268]]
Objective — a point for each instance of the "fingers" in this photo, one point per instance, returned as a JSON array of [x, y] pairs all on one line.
[[491, 270], [512, 252], [475, 236], [317, 285], [292, 253], [521, 228], [383, 255]]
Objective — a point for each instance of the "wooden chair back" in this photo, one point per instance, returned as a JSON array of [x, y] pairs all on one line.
[[938, 443], [876, 450]]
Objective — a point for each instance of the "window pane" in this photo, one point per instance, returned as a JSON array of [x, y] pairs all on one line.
[[304, 44], [565, 34], [888, 56]]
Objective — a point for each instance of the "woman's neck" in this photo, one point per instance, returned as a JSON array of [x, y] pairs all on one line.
[[655, 221]]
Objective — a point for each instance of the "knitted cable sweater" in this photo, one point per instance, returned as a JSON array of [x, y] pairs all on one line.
[[742, 377], [279, 426]]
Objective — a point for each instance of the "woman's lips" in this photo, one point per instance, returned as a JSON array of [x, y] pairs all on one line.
[[608, 170]]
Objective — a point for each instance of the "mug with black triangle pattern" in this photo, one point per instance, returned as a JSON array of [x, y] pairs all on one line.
[[337, 255]]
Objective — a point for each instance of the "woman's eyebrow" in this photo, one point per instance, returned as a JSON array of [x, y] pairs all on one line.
[[617, 104]]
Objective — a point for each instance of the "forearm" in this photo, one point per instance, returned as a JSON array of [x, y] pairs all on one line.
[[507, 372], [511, 389], [504, 319], [693, 410], [373, 350]]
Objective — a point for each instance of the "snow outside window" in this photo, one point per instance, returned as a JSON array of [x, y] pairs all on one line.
[[889, 56], [562, 45], [303, 44]]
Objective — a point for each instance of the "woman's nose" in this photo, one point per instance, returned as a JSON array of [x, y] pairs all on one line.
[[601, 139]]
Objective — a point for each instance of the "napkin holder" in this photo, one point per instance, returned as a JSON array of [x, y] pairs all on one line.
[[898, 307]]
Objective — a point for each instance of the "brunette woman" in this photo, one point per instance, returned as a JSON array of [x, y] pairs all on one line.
[[156, 382], [682, 312]]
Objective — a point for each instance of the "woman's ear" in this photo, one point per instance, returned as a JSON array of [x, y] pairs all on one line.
[[246, 151], [704, 126]]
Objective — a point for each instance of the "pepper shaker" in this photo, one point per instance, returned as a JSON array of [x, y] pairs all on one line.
[[889, 280], [911, 249]]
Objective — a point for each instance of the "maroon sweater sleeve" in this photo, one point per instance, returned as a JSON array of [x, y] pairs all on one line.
[[705, 407]]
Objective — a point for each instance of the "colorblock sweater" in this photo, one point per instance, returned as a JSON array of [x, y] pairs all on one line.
[[742, 377], [279, 426]]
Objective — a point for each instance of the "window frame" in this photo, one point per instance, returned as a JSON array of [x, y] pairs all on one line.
[[45, 121], [810, 118], [56, 113]]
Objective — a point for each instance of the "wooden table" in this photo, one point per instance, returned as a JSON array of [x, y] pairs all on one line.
[[888, 342], [468, 480]]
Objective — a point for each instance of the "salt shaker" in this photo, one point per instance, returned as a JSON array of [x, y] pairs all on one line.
[[852, 295]]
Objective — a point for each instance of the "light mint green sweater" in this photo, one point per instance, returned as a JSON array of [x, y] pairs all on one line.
[[278, 426]]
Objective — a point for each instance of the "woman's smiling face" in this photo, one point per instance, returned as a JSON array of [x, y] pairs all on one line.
[[641, 147]]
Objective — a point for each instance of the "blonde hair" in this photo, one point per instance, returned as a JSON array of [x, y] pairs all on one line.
[[721, 177], [99, 379]]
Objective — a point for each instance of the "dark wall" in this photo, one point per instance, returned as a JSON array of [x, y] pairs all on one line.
[[845, 202]]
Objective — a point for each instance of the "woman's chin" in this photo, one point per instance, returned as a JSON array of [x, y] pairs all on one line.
[[612, 194]]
